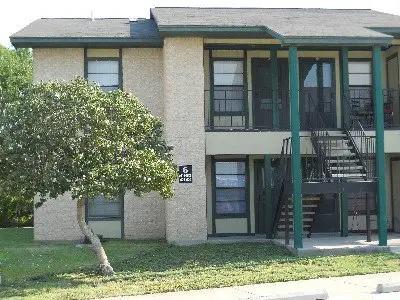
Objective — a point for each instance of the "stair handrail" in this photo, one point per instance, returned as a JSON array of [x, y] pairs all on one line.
[[281, 186], [318, 131], [366, 144]]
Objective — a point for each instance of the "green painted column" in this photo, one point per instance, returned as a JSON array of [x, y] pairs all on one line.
[[274, 86], [295, 138], [344, 215], [344, 85], [268, 196], [379, 146]]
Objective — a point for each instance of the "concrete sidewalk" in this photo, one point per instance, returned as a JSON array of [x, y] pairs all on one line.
[[348, 287]]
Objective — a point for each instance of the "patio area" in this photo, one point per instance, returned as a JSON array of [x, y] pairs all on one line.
[[323, 244], [330, 244]]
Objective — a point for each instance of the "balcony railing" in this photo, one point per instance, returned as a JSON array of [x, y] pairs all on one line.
[[359, 104], [235, 109]]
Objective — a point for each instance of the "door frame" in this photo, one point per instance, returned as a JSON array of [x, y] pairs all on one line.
[[392, 159], [320, 86]]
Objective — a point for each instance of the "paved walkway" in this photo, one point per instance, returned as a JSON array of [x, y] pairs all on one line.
[[339, 288]]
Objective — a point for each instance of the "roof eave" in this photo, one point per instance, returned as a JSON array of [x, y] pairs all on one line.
[[337, 41], [218, 31], [79, 42]]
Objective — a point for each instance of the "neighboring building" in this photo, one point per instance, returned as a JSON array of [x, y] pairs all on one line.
[[219, 78]]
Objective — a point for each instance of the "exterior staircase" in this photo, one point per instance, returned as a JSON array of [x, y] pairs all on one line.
[[310, 207], [343, 162]]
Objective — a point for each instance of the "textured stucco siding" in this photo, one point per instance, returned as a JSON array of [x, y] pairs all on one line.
[[56, 219], [143, 76], [184, 130], [57, 63], [144, 216]]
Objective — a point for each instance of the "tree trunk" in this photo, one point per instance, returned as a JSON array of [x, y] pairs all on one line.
[[97, 247]]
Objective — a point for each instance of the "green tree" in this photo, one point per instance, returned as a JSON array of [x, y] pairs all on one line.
[[15, 77], [61, 137]]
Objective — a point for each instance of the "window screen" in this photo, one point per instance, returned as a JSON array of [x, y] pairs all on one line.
[[228, 86], [230, 188], [103, 208], [360, 73], [104, 72]]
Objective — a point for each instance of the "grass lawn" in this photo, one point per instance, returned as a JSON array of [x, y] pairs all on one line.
[[64, 271]]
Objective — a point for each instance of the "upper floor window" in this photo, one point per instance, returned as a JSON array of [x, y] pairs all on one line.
[[103, 67], [228, 93], [360, 73], [104, 72]]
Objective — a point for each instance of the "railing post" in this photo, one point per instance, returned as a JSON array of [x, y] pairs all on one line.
[[269, 217], [274, 85], [296, 156], [344, 84], [368, 217], [344, 215], [380, 150]]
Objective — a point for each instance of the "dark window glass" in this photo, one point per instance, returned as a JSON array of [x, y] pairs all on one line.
[[105, 73], [228, 87], [101, 208], [230, 188]]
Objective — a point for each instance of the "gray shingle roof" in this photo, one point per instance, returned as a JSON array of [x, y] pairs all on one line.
[[59, 27], [314, 22], [85, 32], [290, 25]]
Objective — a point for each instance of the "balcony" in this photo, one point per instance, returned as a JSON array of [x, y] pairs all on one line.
[[237, 109], [360, 105]]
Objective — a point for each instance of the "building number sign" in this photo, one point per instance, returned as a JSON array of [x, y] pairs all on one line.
[[185, 174]]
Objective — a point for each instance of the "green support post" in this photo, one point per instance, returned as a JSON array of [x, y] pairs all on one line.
[[268, 196], [344, 215], [295, 138], [274, 86], [344, 84], [379, 146]]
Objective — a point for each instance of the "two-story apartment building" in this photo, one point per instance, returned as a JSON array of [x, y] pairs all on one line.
[[289, 119]]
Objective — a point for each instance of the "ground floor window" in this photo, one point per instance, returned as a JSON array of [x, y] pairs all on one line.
[[230, 188], [101, 208]]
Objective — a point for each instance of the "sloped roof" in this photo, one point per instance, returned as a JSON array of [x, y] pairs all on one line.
[[83, 31], [289, 25], [283, 23]]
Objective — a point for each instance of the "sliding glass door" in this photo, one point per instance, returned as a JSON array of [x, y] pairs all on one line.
[[317, 91]]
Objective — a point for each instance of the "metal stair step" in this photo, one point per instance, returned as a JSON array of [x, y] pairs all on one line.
[[304, 213], [353, 167], [282, 220], [282, 227], [304, 206], [351, 175]]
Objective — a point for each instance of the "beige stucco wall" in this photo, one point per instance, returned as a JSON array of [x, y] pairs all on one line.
[[56, 219], [144, 216], [142, 70], [57, 63], [143, 76], [184, 130]]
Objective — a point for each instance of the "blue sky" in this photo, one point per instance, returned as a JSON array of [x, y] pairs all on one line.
[[16, 14]]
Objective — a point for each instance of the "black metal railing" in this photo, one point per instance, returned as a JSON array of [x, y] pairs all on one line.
[[321, 101], [227, 109], [359, 106], [280, 192], [364, 147]]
